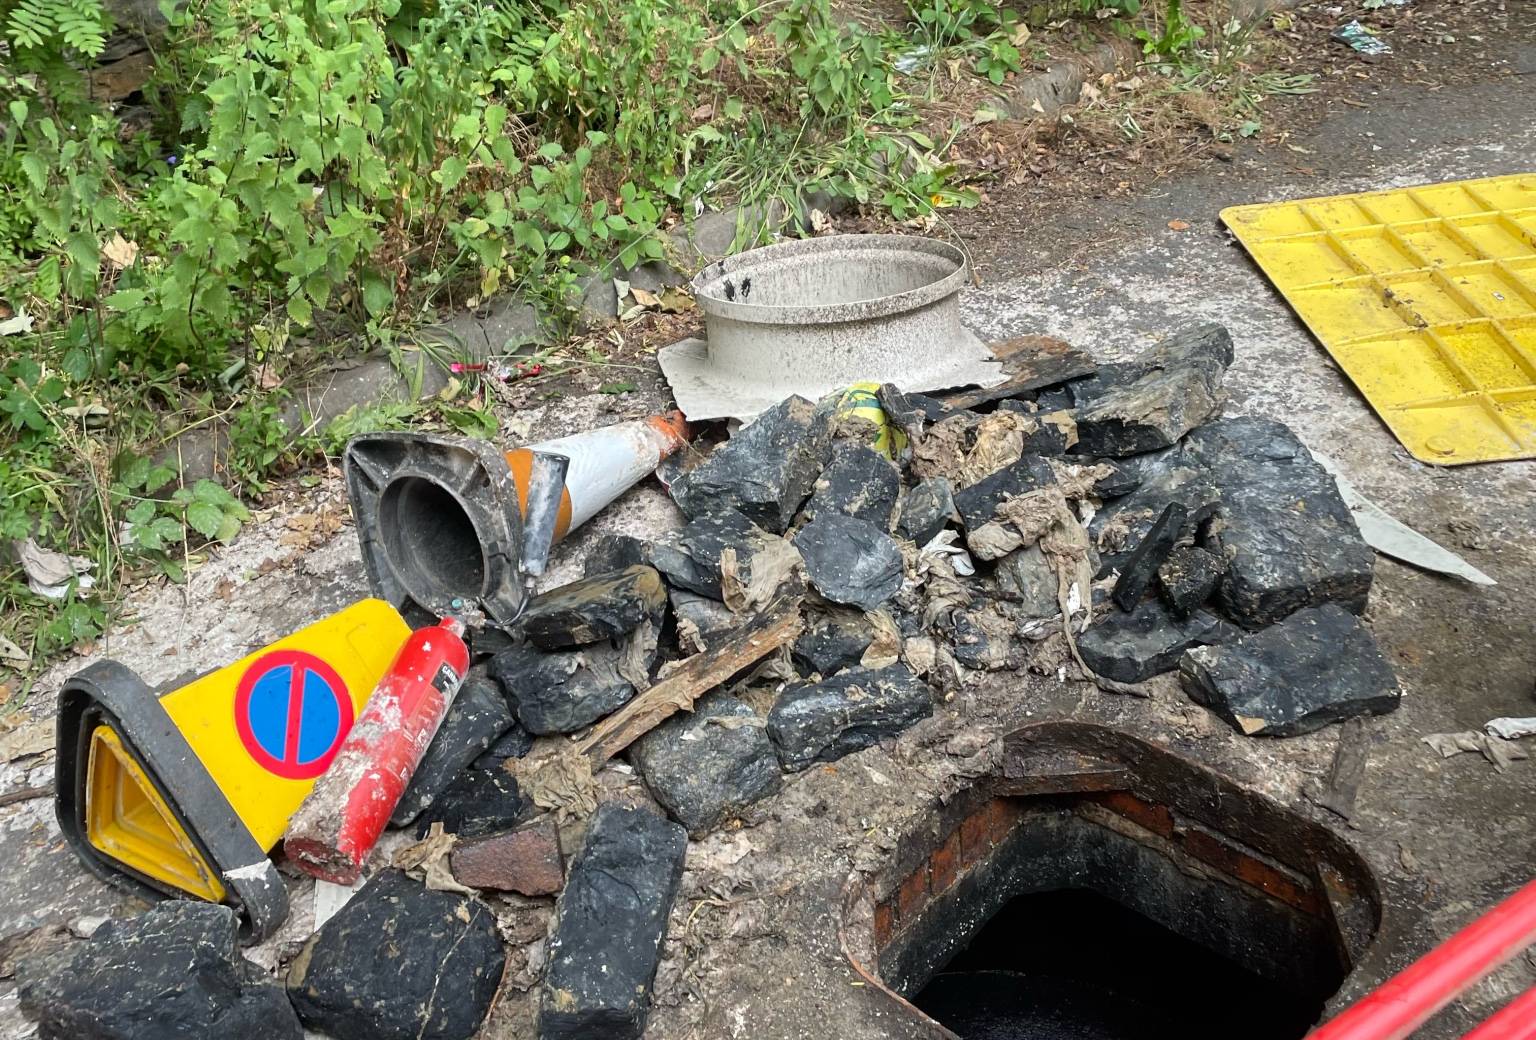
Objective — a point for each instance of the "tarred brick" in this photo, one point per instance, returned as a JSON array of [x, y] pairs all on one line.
[[1002, 814], [1156, 818], [944, 864], [525, 860], [914, 894], [885, 923], [973, 836], [1235, 863]]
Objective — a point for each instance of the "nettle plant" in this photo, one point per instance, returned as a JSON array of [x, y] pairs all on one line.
[[314, 168]]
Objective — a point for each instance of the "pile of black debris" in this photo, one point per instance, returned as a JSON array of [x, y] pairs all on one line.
[[837, 575]]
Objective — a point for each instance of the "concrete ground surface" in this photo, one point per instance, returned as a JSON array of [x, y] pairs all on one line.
[[753, 949]]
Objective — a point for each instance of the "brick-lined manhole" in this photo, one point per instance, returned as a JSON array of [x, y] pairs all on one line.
[[1103, 888]]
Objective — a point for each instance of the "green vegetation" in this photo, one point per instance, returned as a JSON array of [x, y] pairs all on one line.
[[308, 174]]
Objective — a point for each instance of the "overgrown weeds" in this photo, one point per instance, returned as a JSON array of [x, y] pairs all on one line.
[[299, 175]]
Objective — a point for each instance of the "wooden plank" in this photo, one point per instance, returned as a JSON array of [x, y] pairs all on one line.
[[778, 624]]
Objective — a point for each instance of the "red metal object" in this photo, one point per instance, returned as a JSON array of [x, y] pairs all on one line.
[[1516, 1021], [334, 830], [1407, 1000]]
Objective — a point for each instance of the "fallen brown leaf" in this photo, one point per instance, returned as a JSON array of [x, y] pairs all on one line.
[[120, 252], [30, 738]]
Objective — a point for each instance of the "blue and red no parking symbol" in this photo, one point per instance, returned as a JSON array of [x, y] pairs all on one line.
[[292, 712]]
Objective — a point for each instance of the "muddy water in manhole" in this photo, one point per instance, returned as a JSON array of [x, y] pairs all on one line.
[[1073, 965]]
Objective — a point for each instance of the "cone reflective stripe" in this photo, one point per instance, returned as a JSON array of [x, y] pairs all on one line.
[[605, 463], [336, 827], [543, 504]]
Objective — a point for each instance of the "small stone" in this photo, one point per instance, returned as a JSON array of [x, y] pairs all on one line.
[[1119, 482], [858, 482], [709, 765], [978, 503], [478, 715], [853, 710], [399, 962], [1318, 666], [593, 609], [1055, 399], [1151, 413], [514, 743], [766, 471], [526, 860], [1168, 477], [1283, 530], [1206, 344], [1188, 577], [174, 971], [1027, 578], [562, 691], [478, 802], [1199, 343], [612, 552], [850, 561], [1152, 401], [690, 558], [1134, 647], [1141, 566], [910, 411], [700, 619], [609, 924], [1055, 432], [981, 639], [830, 646], [926, 510]]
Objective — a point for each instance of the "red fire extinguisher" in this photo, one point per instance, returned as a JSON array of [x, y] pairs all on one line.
[[334, 830]]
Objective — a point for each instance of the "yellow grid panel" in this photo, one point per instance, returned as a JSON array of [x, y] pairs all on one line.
[[1426, 297]]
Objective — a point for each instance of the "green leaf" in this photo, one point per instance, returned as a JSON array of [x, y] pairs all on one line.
[[147, 537], [506, 154], [526, 236], [452, 172], [213, 494], [142, 512], [378, 297], [495, 119], [36, 170], [229, 527], [77, 364], [205, 519], [167, 529]]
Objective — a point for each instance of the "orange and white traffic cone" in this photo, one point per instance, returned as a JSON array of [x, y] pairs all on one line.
[[605, 463], [435, 515]]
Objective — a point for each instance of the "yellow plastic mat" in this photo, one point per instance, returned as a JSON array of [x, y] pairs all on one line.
[[1426, 297]]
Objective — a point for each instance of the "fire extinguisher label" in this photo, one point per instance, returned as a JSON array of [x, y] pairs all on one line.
[[447, 680]]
